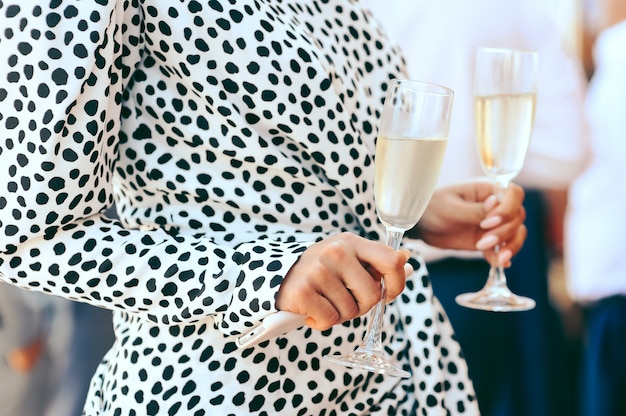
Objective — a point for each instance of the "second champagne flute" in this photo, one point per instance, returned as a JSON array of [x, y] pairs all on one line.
[[412, 139], [505, 97]]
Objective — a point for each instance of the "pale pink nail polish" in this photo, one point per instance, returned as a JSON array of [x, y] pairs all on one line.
[[490, 202], [505, 256], [491, 222], [487, 242]]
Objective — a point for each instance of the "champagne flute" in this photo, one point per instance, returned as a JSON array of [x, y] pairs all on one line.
[[412, 139], [505, 99]]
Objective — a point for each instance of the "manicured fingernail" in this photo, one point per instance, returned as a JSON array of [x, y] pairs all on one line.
[[491, 222], [487, 242], [505, 256], [490, 202]]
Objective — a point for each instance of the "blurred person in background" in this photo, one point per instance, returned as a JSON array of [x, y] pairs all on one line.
[[49, 349], [30, 362], [516, 360], [85, 343], [594, 254]]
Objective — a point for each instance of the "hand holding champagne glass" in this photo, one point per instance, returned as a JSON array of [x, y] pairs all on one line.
[[412, 139], [505, 97]]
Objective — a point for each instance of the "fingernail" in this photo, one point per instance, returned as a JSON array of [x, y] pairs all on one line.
[[505, 256], [490, 202], [491, 222], [487, 242]]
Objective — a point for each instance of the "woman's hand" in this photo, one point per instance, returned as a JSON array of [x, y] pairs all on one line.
[[338, 279], [469, 217]]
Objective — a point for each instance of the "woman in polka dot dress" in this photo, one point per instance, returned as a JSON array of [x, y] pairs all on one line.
[[236, 140]]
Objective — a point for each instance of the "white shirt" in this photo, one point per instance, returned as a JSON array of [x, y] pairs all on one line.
[[444, 54], [596, 224]]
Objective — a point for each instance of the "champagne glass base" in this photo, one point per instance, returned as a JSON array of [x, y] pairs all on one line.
[[368, 360], [495, 300]]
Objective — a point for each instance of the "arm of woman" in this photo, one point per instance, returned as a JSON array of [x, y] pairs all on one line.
[[68, 66]]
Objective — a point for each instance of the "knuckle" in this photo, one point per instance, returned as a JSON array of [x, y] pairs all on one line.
[[397, 260], [335, 251], [317, 269], [347, 236], [328, 319]]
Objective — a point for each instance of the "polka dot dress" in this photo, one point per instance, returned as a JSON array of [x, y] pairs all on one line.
[[231, 135]]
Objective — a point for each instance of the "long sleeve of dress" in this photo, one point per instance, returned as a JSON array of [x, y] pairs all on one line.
[[67, 67]]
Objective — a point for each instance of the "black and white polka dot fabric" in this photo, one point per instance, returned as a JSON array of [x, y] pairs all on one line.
[[231, 135]]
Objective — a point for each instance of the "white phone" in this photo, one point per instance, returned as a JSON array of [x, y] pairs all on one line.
[[272, 326]]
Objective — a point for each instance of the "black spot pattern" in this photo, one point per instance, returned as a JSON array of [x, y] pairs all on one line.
[[231, 135]]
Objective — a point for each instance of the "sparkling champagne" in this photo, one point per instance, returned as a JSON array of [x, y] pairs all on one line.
[[503, 129], [407, 170]]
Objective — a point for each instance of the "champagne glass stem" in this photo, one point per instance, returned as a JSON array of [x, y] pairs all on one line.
[[394, 237], [372, 340], [497, 277]]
